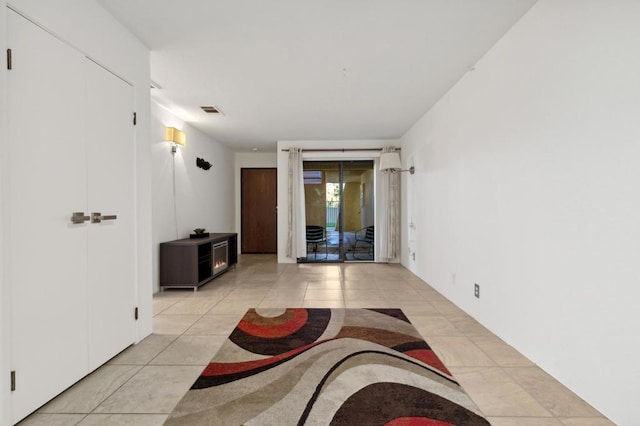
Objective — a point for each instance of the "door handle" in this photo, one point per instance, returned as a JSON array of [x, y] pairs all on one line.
[[97, 217], [79, 217]]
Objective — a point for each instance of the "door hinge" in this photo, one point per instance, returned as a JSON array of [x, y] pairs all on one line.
[[135, 118], [135, 313], [9, 60], [13, 380]]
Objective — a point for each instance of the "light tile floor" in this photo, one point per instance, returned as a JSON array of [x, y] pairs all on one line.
[[143, 384]]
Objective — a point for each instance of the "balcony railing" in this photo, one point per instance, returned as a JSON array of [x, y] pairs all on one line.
[[333, 207]]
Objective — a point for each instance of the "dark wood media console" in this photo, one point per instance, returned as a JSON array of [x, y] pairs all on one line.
[[193, 262]]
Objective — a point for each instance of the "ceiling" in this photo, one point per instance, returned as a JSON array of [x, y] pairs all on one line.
[[314, 69]]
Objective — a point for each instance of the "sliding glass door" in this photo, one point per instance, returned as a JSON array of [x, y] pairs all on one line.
[[339, 202]]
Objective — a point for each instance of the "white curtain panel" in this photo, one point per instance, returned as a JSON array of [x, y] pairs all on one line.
[[296, 237], [389, 234]]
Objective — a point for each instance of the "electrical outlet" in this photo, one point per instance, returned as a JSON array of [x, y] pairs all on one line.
[[476, 290], [453, 278], [414, 255]]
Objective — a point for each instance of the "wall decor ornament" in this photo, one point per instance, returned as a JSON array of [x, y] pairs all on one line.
[[203, 164]]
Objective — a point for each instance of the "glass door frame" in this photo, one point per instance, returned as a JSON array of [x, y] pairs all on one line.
[[340, 164]]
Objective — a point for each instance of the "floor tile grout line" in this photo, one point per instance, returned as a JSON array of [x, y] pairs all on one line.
[[543, 404], [256, 266], [117, 389]]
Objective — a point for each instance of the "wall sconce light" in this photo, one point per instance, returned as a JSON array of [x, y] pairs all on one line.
[[390, 163], [176, 137]]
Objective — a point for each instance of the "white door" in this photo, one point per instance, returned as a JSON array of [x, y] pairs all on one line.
[[111, 179], [71, 150], [47, 182]]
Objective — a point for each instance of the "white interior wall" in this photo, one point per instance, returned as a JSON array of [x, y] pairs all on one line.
[[283, 172], [249, 160], [527, 183], [89, 28], [204, 198]]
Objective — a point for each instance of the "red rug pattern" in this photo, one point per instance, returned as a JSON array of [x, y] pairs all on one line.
[[301, 366]]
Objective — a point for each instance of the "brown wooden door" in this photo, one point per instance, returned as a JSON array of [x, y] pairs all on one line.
[[258, 210]]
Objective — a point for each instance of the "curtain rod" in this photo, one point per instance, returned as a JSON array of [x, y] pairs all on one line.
[[338, 149]]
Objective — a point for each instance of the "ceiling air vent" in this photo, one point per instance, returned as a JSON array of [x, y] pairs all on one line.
[[210, 110]]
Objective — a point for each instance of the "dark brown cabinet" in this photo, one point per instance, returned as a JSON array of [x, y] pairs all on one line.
[[193, 262]]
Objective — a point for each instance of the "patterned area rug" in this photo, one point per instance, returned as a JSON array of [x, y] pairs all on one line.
[[326, 367]]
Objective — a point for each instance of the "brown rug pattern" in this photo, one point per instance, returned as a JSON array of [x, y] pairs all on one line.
[[302, 366]]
